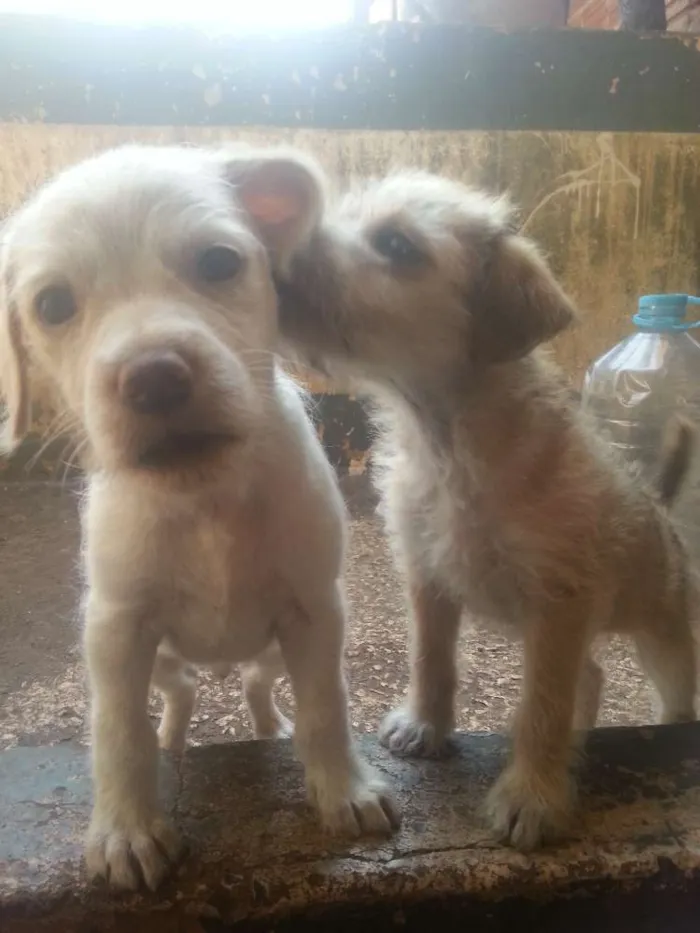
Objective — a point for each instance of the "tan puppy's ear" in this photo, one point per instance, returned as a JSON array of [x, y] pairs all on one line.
[[520, 304], [14, 376], [283, 192]]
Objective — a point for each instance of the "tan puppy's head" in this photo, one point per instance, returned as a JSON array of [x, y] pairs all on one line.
[[139, 284], [419, 278]]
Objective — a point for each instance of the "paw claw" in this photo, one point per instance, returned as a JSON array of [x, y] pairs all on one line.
[[125, 856], [526, 811], [366, 807]]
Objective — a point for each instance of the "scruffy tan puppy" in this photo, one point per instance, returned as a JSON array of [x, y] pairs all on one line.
[[139, 285], [499, 500]]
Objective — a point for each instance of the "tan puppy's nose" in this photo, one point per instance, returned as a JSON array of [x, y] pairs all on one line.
[[155, 383]]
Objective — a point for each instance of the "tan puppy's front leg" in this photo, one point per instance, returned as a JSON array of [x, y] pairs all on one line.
[[349, 796], [532, 800], [423, 725], [128, 833]]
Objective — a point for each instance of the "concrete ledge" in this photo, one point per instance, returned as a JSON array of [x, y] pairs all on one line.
[[257, 854]]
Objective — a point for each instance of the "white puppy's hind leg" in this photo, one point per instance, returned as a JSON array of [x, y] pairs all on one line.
[[176, 681], [128, 837], [349, 796], [258, 678]]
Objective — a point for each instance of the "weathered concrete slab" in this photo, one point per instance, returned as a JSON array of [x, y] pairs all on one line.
[[256, 851]]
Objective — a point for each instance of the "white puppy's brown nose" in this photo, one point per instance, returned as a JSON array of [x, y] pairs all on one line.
[[155, 383]]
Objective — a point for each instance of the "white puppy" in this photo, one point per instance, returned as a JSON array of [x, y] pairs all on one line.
[[139, 284]]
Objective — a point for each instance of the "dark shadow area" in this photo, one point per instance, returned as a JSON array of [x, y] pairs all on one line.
[[667, 904]]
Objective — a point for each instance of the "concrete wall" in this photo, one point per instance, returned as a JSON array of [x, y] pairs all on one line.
[[619, 214]]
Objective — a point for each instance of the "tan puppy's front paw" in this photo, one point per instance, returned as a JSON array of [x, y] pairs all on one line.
[[407, 736], [125, 852], [527, 811]]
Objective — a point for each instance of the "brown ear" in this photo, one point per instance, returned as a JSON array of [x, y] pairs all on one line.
[[14, 378], [283, 193], [521, 304]]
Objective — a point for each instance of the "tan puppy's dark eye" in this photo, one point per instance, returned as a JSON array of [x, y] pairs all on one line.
[[55, 305], [218, 264], [396, 247]]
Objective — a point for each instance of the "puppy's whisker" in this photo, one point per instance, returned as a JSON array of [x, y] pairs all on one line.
[[59, 431], [72, 462]]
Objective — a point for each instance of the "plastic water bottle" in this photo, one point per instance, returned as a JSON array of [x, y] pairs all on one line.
[[635, 389]]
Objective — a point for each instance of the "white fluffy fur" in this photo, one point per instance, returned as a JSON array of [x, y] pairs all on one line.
[[218, 560]]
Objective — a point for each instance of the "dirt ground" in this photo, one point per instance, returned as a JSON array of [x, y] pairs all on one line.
[[42, 690]]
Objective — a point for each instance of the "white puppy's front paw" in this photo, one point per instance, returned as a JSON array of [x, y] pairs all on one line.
[[362, 804], [124, 852], [527, 810], [407, 736]]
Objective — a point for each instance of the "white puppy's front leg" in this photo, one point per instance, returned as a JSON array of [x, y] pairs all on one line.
[[128, 833], [350, 797]]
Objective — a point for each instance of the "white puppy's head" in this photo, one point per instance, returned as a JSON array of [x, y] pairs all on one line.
[[139, 284]]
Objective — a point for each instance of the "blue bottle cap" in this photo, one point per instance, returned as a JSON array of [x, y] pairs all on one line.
[[660, 313]]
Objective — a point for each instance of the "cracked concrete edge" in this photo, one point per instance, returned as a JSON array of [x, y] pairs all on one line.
[[459, 872], [257, 851], [282, 891]]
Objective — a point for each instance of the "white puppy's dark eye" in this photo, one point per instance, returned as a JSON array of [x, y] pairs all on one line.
[[55, 305], [218, 264], [396, 247]]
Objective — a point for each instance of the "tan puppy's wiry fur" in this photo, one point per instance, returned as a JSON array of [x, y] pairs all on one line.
[[139, 284], [499, 499]]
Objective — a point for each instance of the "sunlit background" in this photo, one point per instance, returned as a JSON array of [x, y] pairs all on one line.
[[236, 14]]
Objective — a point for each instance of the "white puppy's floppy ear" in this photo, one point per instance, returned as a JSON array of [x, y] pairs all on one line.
[[282, 191], [14, 376]]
